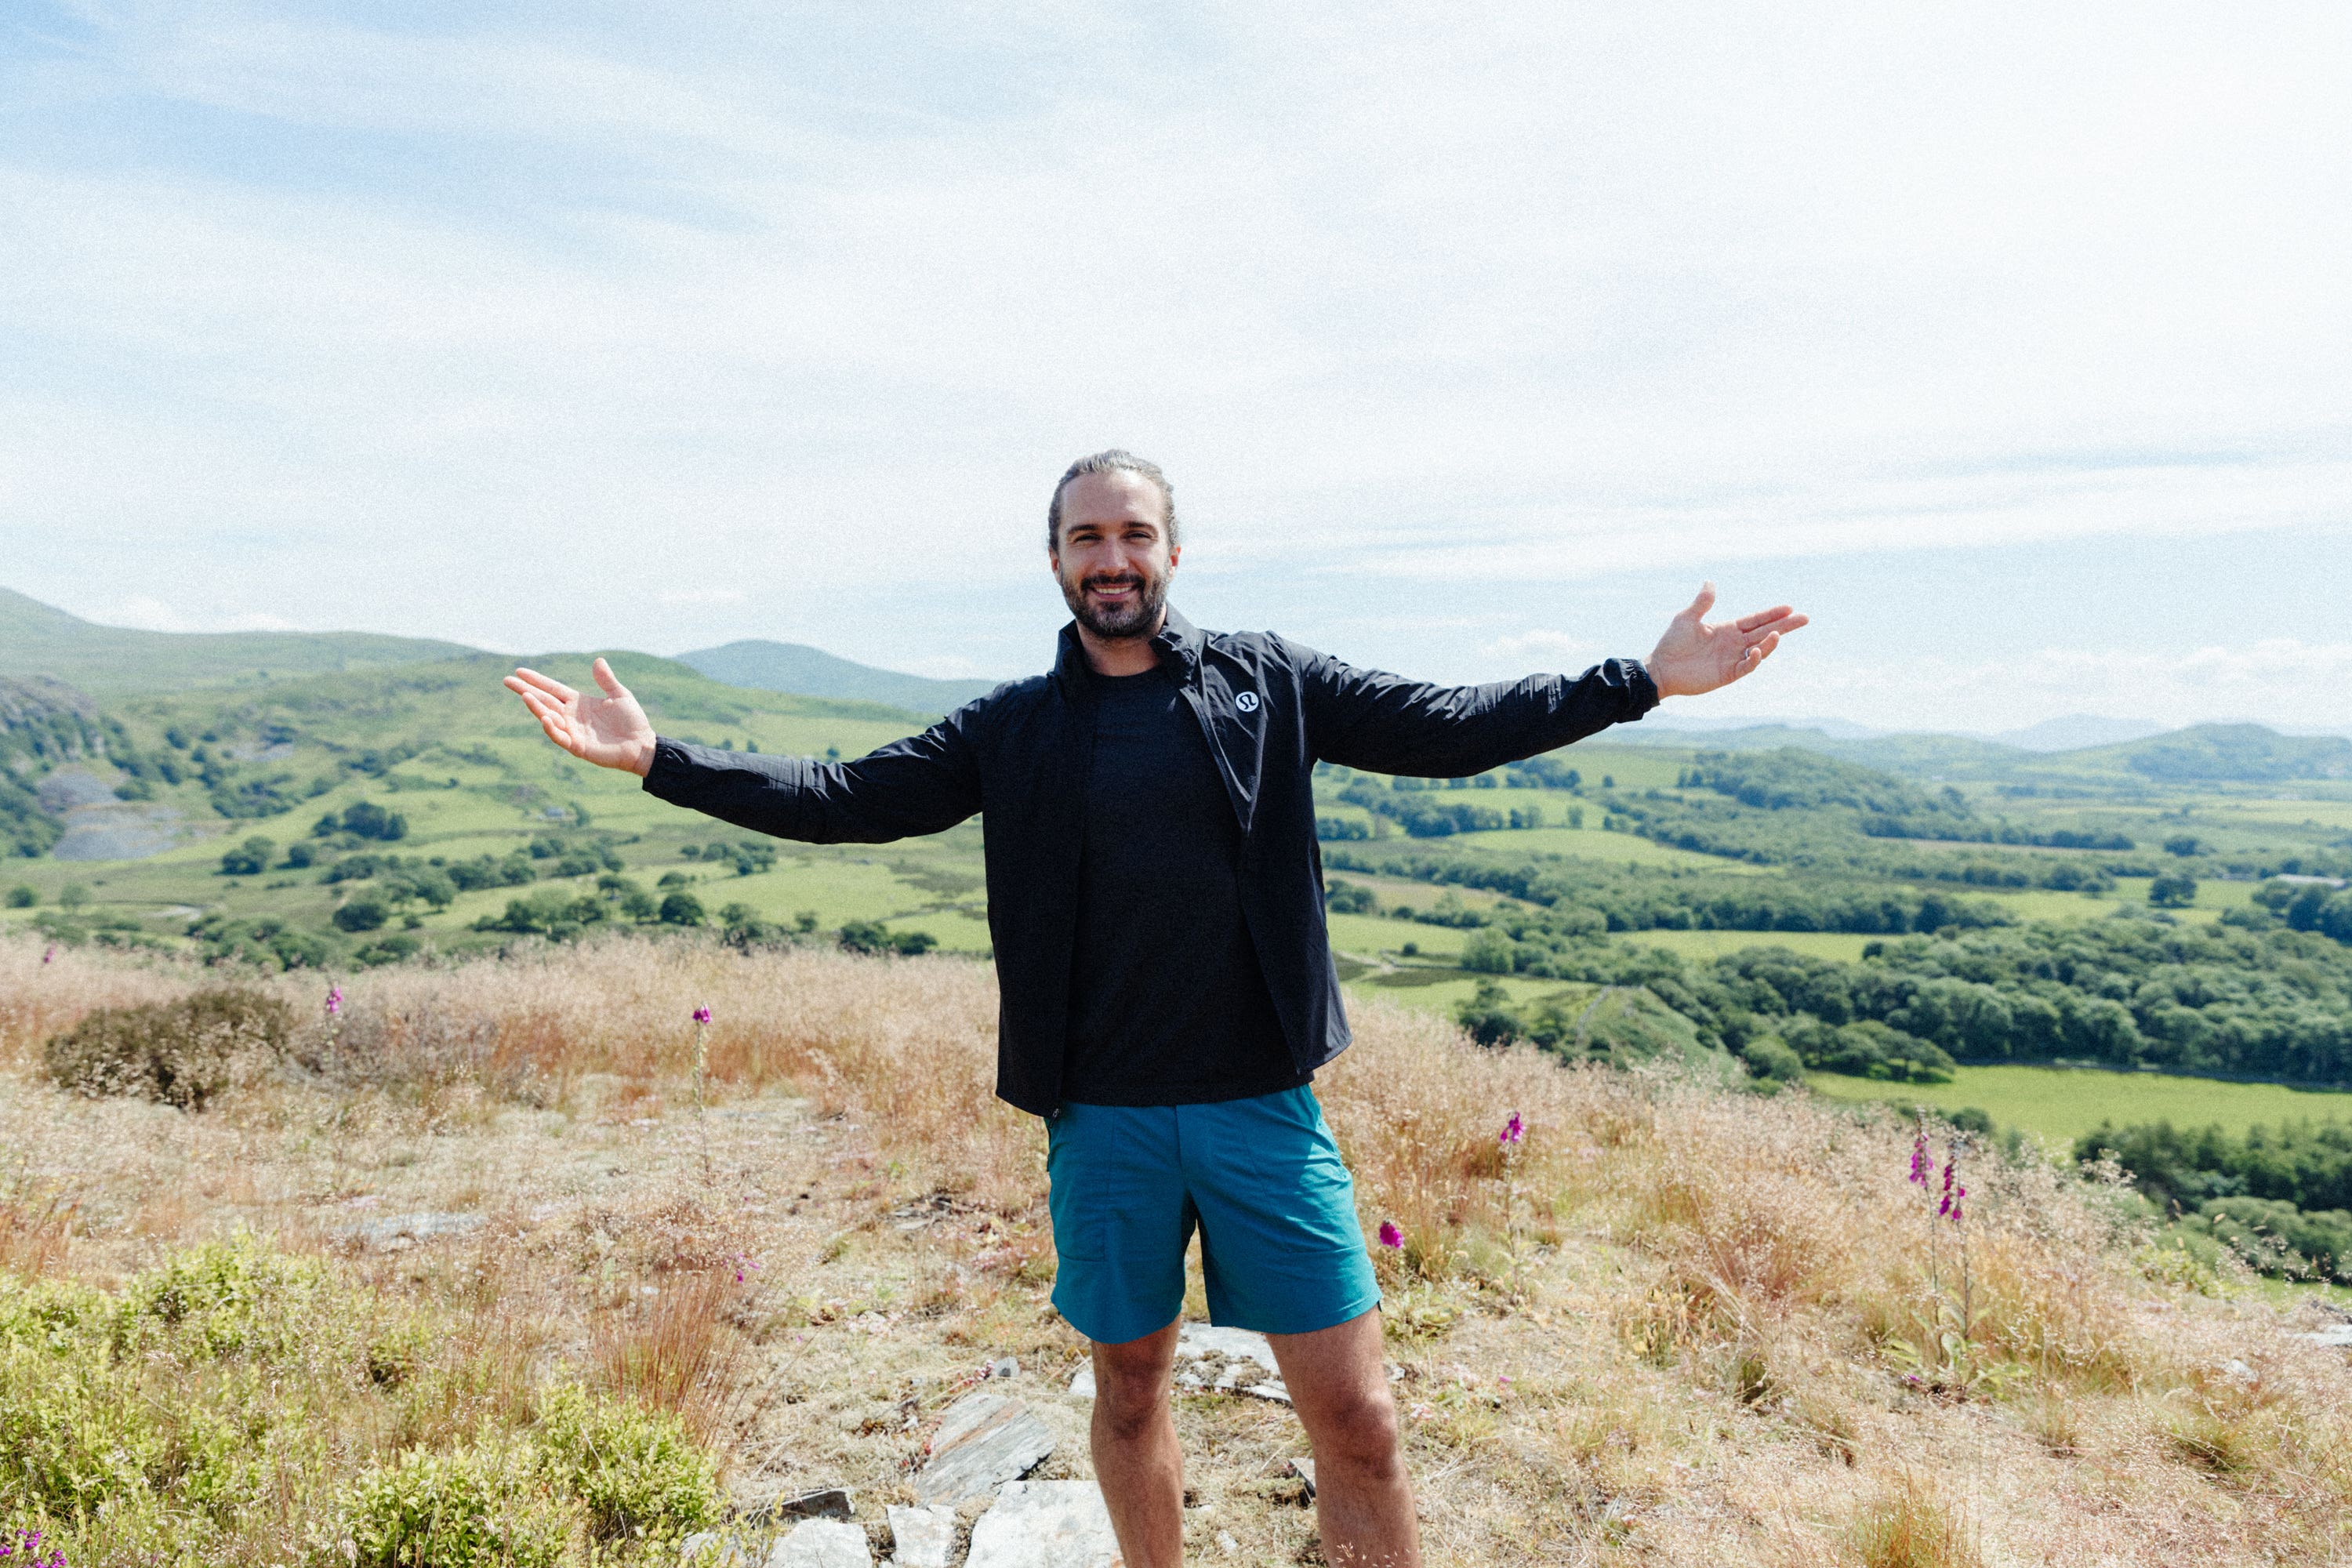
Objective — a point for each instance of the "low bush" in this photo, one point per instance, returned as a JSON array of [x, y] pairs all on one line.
[[637, 1472], [174, 1053], [467, 1508]]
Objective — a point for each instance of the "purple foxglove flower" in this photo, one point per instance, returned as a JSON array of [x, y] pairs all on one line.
[[48, 954], [702, 1015], [1390, 1236], [334, 1001], [1513, 1130], [1920, 1162]]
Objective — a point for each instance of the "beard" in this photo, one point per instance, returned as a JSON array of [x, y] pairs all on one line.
[[1138, 617]]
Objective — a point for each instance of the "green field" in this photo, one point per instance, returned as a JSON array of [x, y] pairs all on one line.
[[2064, 1103], [1593, 842], [1704, 944]]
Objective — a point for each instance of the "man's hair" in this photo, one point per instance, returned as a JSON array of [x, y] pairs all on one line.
[[1104, 463]]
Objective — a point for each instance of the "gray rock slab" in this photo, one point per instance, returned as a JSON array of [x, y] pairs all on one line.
[[1305, 1471], [921, 1537], [1083, 1384], [821, 1544], [2338, 1334], [1225, 1344], [986, 1441], [424, 1226], [1046, 1524]]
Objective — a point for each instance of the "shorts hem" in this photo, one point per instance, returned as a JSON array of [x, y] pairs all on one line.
[[1257, 1324]]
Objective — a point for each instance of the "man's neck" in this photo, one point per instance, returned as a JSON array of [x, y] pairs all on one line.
[[1121, 655]]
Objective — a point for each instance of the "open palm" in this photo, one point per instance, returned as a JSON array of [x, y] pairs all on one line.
[[611, 731], [1694, 657]]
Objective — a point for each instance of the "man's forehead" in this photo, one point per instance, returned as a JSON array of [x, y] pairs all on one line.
[[1115, 494]]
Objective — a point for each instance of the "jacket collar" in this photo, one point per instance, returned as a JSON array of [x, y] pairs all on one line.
[[1178, 642]]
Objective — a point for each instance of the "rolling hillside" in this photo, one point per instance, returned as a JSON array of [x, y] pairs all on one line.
[[38, 639], [808, 671]]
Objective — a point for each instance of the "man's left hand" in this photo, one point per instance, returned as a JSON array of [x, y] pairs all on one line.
[[1694, 657]]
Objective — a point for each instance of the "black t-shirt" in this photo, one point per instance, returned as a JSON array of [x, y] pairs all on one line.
[[1168, 1005]]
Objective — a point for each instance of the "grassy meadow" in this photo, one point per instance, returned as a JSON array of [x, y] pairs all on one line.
[[2061, 1104], [1683, 1324]]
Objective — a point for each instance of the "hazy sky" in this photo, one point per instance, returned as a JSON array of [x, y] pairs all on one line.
[[2014, 342]]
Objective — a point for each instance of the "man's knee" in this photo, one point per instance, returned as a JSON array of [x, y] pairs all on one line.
[[1360, 1431], [1132, 1385]]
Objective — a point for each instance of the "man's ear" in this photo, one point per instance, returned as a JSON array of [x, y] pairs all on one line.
[[1175, 553]]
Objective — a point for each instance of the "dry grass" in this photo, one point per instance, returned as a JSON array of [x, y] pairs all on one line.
[[1683, 1325]]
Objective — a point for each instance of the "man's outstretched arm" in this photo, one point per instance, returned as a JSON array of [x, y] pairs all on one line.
[[924, 783], [1385, 724]]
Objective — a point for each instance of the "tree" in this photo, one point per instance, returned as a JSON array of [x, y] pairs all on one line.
[[2182, 844], [249, 859], [73, 896], [2173, 890], [22, 897], [1488, 952], [681, 909], [361, 914]]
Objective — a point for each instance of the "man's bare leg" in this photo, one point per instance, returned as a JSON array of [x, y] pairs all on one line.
[[1339, 1386], [1137, 1461]]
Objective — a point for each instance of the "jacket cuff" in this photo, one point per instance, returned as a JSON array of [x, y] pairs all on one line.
[[1641, 691], [670, 766]]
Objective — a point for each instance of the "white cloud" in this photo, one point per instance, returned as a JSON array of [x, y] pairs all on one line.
[[806, 301], [1556, 650]]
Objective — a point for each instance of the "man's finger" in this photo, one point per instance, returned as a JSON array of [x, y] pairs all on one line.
[[548, 684], [1700, 605], [1766, 617], [607, 679]]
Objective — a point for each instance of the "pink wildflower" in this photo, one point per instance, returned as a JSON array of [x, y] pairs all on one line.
[[1513, 1130], [1958, 1196], [334, 1001], [48, 954], [702, 1015], [1945, 1206], [1921, 1163], [1390, 1236]]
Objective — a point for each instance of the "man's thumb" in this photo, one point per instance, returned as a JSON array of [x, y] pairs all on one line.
[[607, 679]]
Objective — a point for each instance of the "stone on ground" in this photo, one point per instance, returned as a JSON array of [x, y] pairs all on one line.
[[922, 1537], [821, 1544], [986, 1441], [1046, 1524], [827, 1502]]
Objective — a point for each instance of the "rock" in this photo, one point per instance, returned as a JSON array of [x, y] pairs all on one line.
[[986, 1442], [1008, 1367], [1046, 1524], [1238, 1349], [1227, 1544], [821, 1544], [384, 1230], [827, 1502], [2337, 1335], [1083, 1383], [922, 1537], [1305, 1471]]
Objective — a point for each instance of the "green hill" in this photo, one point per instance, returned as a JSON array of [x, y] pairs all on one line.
[[38, 639], [807, 671], [2231, 753]]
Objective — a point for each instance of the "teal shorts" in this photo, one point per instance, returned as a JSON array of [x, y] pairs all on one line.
[[1280, 1249]]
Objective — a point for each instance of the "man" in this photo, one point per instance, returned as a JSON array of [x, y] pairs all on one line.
[[1154, 892]]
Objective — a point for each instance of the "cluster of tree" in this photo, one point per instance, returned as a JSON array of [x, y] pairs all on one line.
[[1575, 896], [2309, 906], [2126, 992], [2281, 1196], [42, 723], [363, 819], [749, 855]]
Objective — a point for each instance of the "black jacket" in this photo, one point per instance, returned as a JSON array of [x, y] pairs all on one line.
[[1271, 711]]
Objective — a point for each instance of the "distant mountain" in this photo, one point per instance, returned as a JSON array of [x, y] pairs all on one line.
[[2077, 732], [2227, 753], [1835, 729], [1916, 756], [39, 639], [807, 671]]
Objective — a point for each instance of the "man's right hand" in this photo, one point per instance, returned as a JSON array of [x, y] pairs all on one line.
[[611, 731]]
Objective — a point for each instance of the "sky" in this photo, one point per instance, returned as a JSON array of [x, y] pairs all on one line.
[[2010, 341]]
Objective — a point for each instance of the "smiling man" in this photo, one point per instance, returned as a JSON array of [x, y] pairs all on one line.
[[1155, 896]]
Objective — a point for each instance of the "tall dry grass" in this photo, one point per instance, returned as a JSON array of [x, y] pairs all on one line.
[[1766, 1256]]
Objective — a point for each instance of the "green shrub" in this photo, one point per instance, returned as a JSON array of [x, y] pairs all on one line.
[[22, 897], [239, 1297], [637, 1471], [468, 1507], [361, 914], [174, 1053]]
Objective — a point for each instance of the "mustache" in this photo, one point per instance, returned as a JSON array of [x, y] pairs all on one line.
[[1112, 580]]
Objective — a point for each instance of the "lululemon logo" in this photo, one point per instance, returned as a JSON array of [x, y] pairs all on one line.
[[1247, 702]]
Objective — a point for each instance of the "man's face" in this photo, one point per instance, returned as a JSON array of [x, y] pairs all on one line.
[[1115, 560]]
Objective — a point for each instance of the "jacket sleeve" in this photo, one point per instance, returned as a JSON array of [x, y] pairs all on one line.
[[924, 783], [1385, 724]]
